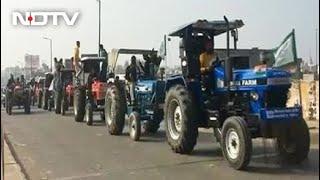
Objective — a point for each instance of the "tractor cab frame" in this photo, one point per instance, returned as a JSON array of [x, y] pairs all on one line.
[[90, 89]]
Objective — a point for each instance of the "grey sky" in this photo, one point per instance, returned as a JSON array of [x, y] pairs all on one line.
[[142, 24]]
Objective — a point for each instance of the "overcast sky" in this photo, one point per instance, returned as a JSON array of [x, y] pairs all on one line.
[[142, 24]]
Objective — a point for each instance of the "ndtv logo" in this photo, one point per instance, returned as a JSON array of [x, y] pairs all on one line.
[[41, 18]]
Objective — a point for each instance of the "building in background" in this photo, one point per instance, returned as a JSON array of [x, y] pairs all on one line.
[[31, 64]]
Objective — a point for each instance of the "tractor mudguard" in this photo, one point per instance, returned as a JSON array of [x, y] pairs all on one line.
[[174, 80]]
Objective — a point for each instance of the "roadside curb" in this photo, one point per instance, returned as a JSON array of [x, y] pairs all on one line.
[[15, 157]]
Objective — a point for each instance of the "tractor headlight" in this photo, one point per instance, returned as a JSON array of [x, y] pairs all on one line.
[[254, 95], [184, 63]]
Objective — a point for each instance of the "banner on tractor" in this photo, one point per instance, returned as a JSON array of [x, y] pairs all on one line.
[[286, 53]]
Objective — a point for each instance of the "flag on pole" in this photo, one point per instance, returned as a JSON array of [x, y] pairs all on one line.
[[162, 50], [286, 53]]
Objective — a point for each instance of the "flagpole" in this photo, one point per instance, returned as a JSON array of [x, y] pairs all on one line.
[[299, 61]]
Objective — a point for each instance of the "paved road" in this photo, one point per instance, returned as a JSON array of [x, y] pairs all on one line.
[[54, 147]]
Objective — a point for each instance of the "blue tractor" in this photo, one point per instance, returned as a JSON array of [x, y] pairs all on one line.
[[238, 102], [144, 112]]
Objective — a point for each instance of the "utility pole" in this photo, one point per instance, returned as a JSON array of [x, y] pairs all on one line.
[[46, 38], [317, 68]]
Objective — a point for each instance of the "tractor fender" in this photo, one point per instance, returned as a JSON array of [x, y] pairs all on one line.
[[173, 81]]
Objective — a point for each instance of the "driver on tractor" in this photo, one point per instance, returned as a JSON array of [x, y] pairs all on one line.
[[11, 82], [92, 76], [208, 57]]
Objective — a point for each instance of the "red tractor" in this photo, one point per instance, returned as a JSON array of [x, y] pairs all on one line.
[[90, 89]]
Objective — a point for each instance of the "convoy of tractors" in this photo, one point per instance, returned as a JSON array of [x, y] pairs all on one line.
[[239, 103]]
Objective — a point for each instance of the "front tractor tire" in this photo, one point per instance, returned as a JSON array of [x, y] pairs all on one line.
[[294, 143], [39, 99], [135, 126], [89, 114], [181, 120], [236, 142], [79, 104], [27, 104], [115, 109], [58, 102]]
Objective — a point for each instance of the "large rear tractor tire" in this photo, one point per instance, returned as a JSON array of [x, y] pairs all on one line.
[[181, 120], [236, 142], [79, 104], [294, 143], [115, 109]]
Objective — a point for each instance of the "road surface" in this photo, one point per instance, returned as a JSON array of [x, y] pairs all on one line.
[[51, 146]]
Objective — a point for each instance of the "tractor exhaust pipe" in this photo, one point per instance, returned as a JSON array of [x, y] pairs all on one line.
[[227, 64]]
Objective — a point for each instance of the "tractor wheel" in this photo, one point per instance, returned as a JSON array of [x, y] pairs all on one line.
[[79, 101], [135, 126], [153, 126], [294, 142], [27, 105], [102, 117], [8, 105], [64, 106], [45, 99], [88, 114], [181, 120], [236, 142], [115, 109], [58, 102], [39, 99], [50, 106]]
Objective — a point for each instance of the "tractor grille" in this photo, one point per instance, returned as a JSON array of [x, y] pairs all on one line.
[[276, 98]]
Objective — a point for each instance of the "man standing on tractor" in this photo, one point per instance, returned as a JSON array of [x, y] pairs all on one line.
[[10, 81], [131, 76], [23, 80], [103, 53], [207, 57], [76, 57]]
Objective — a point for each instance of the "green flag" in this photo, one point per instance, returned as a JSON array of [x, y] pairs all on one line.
[[286, 53]]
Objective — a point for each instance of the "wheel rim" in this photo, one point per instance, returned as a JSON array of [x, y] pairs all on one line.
[[133, 128], [288, 144], [87, 114], [232, 144], [175, 124], [75, 107], [109, 111]]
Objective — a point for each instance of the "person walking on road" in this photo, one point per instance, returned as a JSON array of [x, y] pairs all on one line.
[[76, 57]]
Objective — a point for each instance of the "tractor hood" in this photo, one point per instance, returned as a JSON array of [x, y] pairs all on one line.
[[145, 85], [251, 77]]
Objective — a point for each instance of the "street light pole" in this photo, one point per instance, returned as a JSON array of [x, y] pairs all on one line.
[[99, 1], [50, 51], [317, 52]]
